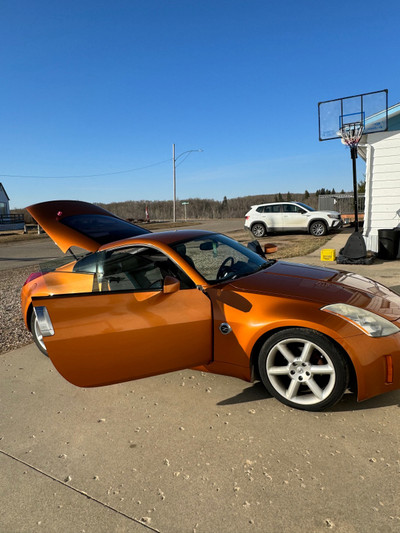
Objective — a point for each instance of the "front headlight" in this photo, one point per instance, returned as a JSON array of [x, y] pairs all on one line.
[[334, 216], [369, 323]]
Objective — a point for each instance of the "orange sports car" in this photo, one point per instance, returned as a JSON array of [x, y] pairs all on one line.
[[141, 303]]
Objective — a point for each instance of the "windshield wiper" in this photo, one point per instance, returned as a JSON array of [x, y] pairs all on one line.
[[269, 263]]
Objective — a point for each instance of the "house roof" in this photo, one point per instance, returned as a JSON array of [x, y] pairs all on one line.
[[393, 113], [3, 189]]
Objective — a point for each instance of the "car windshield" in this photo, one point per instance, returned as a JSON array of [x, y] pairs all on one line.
[[305, 206], [218, 258]]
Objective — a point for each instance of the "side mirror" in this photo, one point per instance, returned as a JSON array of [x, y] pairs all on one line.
[[171, 285], [255, 246]]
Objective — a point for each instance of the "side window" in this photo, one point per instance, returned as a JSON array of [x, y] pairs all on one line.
[[139, 268], [288, 208], [269, 209]]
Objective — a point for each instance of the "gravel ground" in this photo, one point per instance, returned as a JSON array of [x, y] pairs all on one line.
[[13, 331]]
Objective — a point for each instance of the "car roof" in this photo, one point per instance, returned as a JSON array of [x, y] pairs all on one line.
[[277, 203]]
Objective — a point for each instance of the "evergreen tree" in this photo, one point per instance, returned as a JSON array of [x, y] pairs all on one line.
[[361, 186]]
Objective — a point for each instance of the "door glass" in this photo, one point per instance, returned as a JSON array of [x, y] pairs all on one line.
[[139, 268]]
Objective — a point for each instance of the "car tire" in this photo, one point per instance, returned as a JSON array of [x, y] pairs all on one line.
[[318, 228], [37, 335], [258, 230], [303, 368]]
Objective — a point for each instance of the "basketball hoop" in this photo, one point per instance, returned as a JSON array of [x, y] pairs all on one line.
[[350, 118], [351, 133]]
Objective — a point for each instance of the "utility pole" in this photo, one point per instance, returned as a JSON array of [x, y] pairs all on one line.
[[174, 183], [174, 159]]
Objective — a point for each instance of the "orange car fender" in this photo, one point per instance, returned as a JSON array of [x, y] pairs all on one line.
[[253, 318], [375, 361], [57, 282]]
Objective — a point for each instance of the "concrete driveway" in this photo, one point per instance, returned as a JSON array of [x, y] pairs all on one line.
[[189, 452]]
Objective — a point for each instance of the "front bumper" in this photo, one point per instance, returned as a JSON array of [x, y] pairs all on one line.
[[376, 362], [337, 224]]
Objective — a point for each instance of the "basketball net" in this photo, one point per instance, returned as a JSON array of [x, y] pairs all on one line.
[[351, 134]]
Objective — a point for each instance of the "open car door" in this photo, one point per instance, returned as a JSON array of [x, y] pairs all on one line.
[[101, 338]]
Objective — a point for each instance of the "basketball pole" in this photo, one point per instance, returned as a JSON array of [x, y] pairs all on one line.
[[353, 152]]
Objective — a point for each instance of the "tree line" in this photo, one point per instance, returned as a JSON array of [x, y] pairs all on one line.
[[198, 208]]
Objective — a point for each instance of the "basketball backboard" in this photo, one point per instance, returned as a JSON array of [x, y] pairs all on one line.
[[369, 110]]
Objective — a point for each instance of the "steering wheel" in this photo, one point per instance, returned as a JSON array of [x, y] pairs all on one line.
[[224, 268]]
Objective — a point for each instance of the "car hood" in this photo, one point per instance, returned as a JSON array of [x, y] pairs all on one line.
[[322, 285], [74, 223]]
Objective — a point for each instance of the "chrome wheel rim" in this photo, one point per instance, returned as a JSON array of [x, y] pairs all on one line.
[[301, 371], [318, 229], [258, 230], [38, 334]]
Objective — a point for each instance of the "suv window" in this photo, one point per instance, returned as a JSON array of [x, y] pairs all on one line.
[[269, 209], [290, 208]]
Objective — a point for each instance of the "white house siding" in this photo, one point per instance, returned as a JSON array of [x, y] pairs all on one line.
[[382, 206]]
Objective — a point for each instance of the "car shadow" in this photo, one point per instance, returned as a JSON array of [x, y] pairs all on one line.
[[257, 392], [253, 393], [349, 402]]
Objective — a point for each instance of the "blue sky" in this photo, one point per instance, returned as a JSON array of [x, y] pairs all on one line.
[[94, 87]]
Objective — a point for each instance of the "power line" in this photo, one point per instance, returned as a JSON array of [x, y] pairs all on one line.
[[86, 175]]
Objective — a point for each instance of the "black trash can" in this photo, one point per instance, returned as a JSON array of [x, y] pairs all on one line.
[[388, 243], [397, 230]]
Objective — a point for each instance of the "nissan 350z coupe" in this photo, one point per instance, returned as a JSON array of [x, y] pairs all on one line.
[[139, 304]]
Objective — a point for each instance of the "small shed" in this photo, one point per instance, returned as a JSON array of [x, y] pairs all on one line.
[[381, 153], [8, 221], [4, 201]]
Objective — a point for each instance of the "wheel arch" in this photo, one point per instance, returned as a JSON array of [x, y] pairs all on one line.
[[318, 220], [29, 313], [259, 222], [255, 352]]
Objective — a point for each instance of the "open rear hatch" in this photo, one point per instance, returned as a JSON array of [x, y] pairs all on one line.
[[74, 223]]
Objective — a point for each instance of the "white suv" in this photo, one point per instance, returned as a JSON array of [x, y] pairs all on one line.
[[290, 216]]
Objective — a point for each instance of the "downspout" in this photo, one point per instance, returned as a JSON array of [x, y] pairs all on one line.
[[368, 187]]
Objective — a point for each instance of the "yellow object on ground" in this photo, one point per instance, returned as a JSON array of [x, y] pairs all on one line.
[[328, 254]]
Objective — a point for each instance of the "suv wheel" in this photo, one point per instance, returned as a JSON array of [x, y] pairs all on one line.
[[258, 230], [318, 228]]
